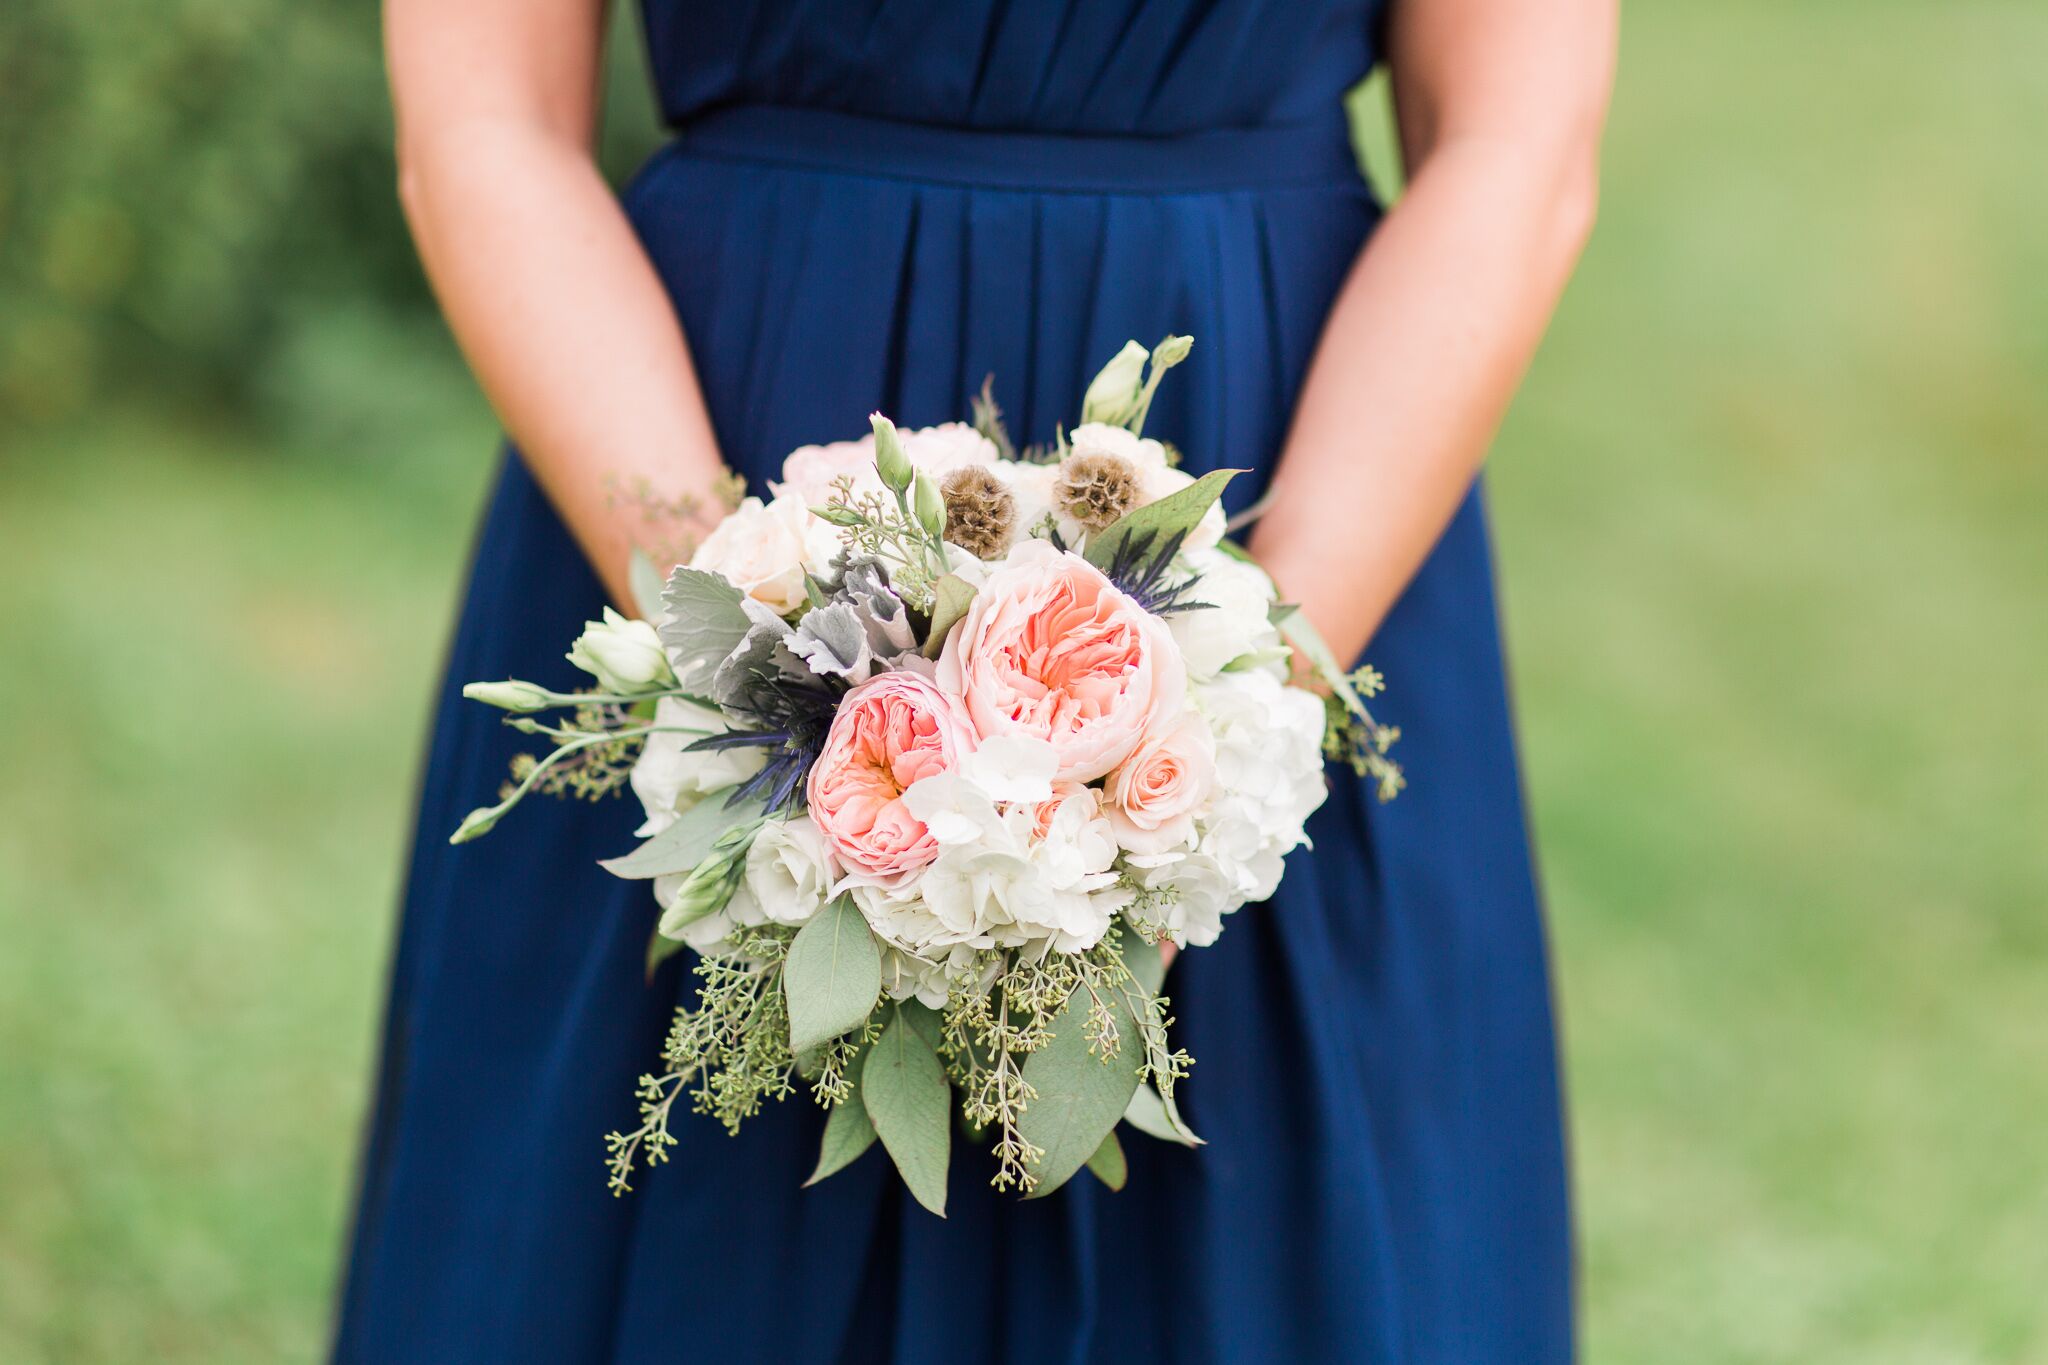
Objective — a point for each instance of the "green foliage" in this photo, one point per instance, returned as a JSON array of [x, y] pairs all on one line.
[[1108, 1162], [1084, 1077], [848, 1133], [904, 1089], [685, 843], [193, 193], [1176, 514], [833, 977]]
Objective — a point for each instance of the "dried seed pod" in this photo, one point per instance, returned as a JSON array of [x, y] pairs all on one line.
[[980, 511], [1095, 489]]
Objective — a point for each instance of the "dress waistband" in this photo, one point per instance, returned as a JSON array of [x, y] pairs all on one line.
[[1211, 160]]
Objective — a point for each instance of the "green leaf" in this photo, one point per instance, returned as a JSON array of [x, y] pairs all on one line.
[[1298, 631], [1175, 513], [1108, 1162], [1080, 1095], [660, 948], [1149, 1115], [645, 581], [848, 1132], [705, 622], [951, 596], [904, 1089], [1145, 961], [687, 842], [832, 976]]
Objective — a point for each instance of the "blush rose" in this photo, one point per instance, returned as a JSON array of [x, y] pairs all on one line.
[[889, 732], [1051, 649]]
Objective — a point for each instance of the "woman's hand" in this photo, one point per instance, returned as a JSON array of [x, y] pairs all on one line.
[[1501, 104], [546, 287]]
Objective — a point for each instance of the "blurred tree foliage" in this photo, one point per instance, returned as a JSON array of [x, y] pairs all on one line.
[[187, 184]]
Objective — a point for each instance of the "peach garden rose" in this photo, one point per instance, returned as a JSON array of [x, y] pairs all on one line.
[[890, 731], [1051, 649], [1154, 794]]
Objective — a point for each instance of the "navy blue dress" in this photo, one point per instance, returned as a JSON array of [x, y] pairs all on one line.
[[871, 204]]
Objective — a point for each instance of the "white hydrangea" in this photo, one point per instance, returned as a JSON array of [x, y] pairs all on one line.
[[1269, 770], [1237, 620], [997, 881], [669, 780]]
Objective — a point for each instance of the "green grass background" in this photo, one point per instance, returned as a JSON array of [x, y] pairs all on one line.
[[1773, 515]]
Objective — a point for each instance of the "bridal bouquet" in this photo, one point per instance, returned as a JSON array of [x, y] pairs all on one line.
[[937, 745]]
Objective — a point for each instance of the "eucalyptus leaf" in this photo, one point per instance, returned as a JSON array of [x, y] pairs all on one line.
[[660, 948], [1148, 1114], [645, 581], [1081, 1095], [1175, 514], [903, 1085], [1108, 1162], [1300, 632], [705, 620], [832, 976], [951, 596], [848, 1132], [687, 841], [1146, 963]]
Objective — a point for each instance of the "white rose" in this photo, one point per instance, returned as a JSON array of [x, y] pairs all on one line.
[[788, 876], [624, 655], [1237, 620], [669, 778], [764, 550], [940, 450], [810, 472]]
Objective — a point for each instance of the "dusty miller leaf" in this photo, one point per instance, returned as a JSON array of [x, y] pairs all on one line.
[[705, 621], [686, 842]]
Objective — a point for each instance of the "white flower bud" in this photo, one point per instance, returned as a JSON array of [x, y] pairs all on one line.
[[890, 461], [510, 695], [476, 824], [929, 504], [1113, 394], [625, 656]]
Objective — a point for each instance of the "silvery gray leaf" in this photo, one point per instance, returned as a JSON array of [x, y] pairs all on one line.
[[833, 639]]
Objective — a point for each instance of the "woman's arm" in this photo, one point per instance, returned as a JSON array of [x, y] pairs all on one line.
[[1500, 104], [549, 294]]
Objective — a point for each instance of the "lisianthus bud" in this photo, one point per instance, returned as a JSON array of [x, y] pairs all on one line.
[[890, 461], [625, 656], [1171, 352], [704, 891], [1113, 394], [929, 505], [510, 695], [476, 824]]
